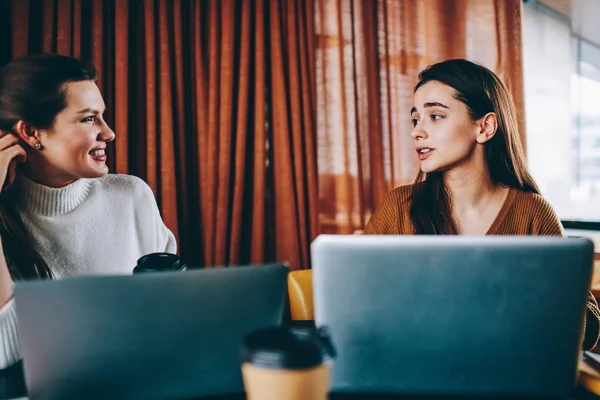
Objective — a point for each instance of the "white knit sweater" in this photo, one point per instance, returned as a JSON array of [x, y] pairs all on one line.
[[92, 227]]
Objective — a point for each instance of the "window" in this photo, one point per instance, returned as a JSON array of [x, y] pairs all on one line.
[[562, 113]]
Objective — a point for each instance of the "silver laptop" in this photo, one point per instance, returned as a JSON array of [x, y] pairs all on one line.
[[170, 335], [453, 315]]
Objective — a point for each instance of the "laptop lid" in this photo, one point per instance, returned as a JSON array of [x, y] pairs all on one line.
[[148, 336], [453, 315]]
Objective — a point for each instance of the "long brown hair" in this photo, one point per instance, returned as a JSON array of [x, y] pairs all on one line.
[[32, 89], [482, 92]]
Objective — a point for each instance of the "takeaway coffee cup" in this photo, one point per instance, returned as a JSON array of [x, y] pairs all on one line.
[[282, 363]]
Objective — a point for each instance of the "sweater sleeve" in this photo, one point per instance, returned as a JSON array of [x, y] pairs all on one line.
[[592, 324], [546, 223], [166, 239], [386, 220], [162, 239], [10, 351], [382, 220]]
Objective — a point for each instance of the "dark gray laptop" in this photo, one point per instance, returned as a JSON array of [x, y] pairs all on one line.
[[148, 336], [453, 315]]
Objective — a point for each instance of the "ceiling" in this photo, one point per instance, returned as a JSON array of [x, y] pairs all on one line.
[[583, 14], [561, 6]]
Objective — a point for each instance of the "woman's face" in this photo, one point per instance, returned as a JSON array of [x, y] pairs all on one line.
[[75, 145], [444, 134]]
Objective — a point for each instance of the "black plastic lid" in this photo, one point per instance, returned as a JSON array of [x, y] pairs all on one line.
[[158, 262], [288, 348]]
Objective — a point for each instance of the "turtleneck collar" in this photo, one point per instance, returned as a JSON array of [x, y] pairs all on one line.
[[43, 200]]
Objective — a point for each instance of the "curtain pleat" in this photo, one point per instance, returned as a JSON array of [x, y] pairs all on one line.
[[241, 139], [165, 146], [20, 29], [63, 27], [308, 98], [258, 183], [200, 117], [224, 137], [212, 153], [76, 28], [48, 26], [121, 110], [149, 67]]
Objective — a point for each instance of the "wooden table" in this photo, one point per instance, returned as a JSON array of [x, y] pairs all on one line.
[[12, 385]]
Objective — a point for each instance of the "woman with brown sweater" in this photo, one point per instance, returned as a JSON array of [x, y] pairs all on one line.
[[473, 178]]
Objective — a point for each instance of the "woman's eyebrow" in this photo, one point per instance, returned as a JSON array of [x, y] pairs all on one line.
[[429, 105]]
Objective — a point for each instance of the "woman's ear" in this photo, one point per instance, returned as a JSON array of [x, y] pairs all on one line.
[[27, 134], [488, 125]]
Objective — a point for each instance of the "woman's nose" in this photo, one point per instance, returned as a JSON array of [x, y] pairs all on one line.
[[106, 134], [418, 133]]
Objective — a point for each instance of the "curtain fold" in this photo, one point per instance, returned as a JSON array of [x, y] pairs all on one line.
[[292, 114], [368, 56], [212, 103], [258, 183], [259, 124]]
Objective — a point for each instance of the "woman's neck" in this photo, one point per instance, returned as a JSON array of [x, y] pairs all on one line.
[[46, 176], [469, 188]]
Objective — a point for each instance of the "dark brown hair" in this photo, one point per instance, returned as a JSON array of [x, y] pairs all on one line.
[[482, 92], [32, 90]]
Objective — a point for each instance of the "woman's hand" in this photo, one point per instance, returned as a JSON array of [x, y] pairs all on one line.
[[11, 152]]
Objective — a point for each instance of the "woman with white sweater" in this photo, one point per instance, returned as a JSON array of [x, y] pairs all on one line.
[[61, 213]]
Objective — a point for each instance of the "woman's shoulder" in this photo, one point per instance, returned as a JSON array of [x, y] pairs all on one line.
[[401, 195], [398, 199], [391, 217], [122, 185], [539, 216], [532, 201]]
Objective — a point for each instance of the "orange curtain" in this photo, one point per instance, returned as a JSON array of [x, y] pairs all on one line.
[[227, 107], [213, 105], [368, 56]]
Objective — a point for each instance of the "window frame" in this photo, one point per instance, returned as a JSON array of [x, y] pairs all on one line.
[[569, 224]]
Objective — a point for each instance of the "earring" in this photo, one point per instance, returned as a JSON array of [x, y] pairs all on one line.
[[38, 146]]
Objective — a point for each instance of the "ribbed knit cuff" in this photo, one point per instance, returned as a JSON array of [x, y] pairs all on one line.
[[10, 351], [591, 325]]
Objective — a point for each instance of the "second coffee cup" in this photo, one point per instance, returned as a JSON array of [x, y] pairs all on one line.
[[159, 262], [282, 363]]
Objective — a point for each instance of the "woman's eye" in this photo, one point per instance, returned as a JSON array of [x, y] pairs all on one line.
[[436, 117], [91, 118], [415, 122]]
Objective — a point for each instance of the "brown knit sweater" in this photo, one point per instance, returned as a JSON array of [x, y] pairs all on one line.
[[521, 214]]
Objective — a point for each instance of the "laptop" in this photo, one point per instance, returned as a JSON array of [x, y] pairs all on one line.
[[453, 315], [169, 335]]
